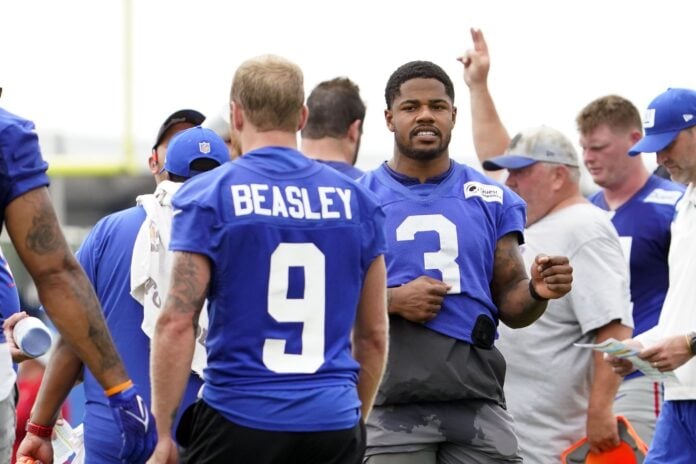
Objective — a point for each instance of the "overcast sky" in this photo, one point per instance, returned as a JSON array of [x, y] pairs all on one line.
[[62, 61]]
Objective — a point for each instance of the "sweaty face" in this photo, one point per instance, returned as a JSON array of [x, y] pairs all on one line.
[[679, 158], [532, 183], [605, 154], [422, 118]]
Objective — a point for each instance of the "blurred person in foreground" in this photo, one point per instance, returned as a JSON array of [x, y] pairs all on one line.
[[106, 255], [63, 288], [297, 335], [334, 125]]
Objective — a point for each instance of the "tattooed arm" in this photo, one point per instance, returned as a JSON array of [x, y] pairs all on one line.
[[173, 344], [511, 287], [64, 290]]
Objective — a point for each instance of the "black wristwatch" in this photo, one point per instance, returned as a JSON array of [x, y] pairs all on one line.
[[692, 342]]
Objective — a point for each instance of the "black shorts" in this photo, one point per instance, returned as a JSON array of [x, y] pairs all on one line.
[[206, 437]]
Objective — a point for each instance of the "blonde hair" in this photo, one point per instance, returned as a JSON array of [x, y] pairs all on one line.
[[270, 91], [616, 112]]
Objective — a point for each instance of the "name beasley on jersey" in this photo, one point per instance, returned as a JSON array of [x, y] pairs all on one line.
[[292, 201]]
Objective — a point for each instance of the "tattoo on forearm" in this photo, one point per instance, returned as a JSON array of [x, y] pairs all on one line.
[[45, 235], [186, 293], [509, 267], [81, 293]]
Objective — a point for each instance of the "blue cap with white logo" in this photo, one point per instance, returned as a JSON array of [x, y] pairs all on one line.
[[668, 114], [190, 145]]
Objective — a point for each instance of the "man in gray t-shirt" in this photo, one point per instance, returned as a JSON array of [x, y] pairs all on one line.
[[557, 392]]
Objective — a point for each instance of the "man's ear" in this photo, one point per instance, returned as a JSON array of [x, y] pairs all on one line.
[[236, 116], [388, 116], [635, 136], [152, 162], [304, 115], [355, 130], [561, 174]]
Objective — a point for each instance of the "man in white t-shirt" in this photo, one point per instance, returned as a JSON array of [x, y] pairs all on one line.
[[670, 132], [557, 392]]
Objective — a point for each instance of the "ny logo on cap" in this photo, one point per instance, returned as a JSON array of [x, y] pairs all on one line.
[[649, 118], [204, 147]]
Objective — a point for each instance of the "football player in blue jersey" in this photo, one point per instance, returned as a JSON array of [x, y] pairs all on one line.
[[641, 207], [454, 270], [334, 125], [289, 254], [63, 289], [106, 255]]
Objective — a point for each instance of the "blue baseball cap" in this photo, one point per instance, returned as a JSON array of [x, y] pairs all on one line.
[[190, 145], [668, 114], [537, 144]]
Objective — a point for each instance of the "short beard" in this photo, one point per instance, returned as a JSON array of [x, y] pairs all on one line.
[[421, 154]]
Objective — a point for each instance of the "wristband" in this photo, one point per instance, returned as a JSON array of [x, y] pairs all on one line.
[[534, 294], [691, 342], [118, 388], [40, 431]]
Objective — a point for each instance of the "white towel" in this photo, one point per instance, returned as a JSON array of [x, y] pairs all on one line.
[[151, 266]]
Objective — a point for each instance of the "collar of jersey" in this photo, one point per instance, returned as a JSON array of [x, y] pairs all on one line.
[[281, 161], [408, 181]]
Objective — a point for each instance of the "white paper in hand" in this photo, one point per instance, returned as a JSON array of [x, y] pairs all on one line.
[[621, 350]]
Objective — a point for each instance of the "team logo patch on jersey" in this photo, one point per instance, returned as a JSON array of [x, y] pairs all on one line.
[[486, 192], [204, 147], [663, 197]]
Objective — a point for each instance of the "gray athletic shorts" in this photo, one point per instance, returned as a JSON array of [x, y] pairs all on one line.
[[8, 419], [455, 432], [639, 400]]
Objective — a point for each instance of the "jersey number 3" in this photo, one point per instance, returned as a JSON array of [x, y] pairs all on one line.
[[308, 310], [444, 259]]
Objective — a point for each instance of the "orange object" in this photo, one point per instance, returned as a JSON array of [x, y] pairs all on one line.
[[26, 460], [631, 450], [119, 388]]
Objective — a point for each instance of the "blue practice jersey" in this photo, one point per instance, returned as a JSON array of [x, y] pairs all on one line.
[[448, 231], [106, 256], [21, 166], [289, 241], [643, 224], [345, 168]]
